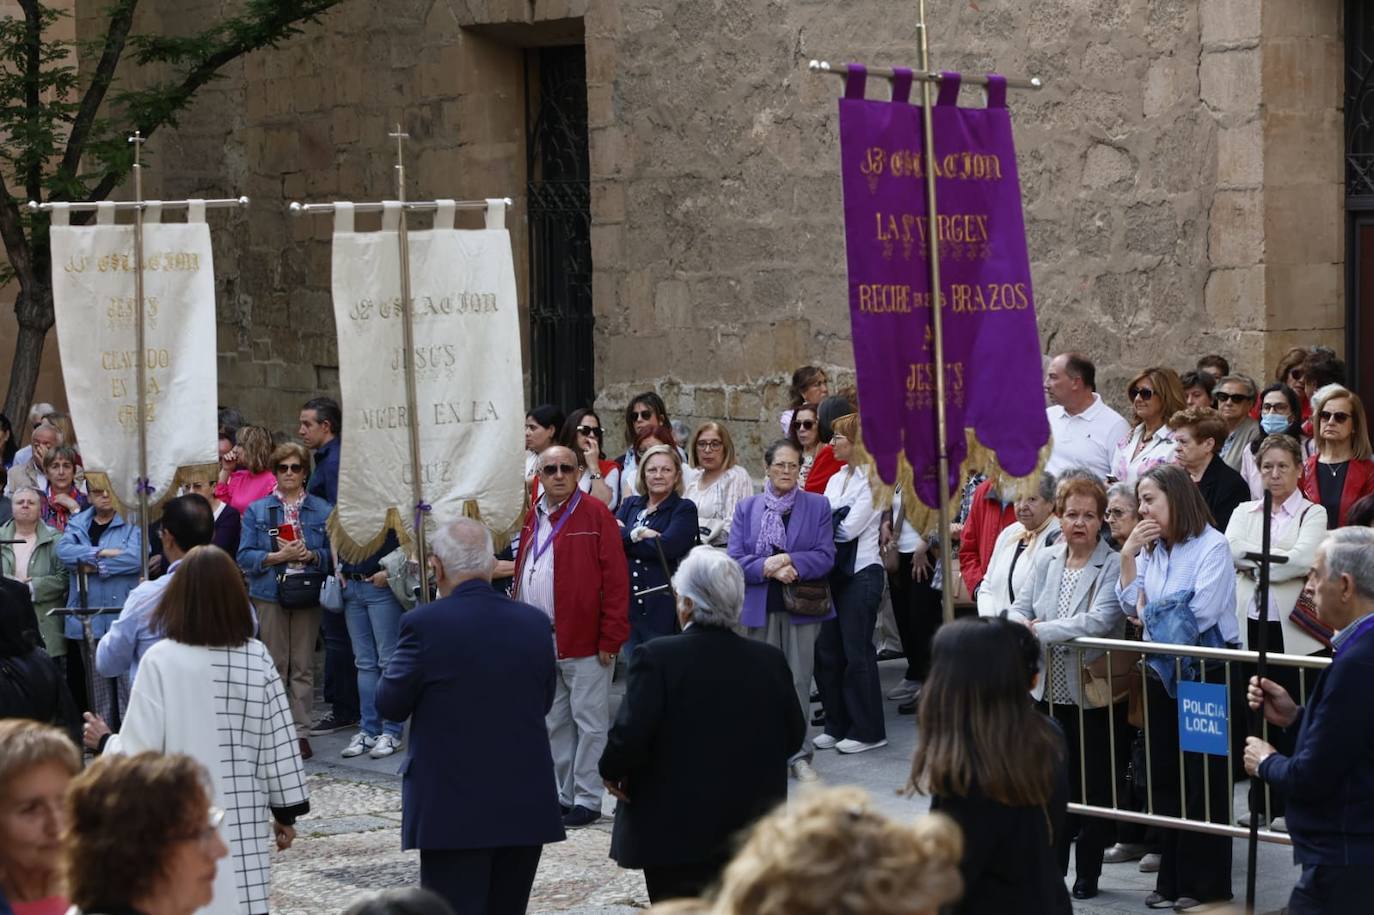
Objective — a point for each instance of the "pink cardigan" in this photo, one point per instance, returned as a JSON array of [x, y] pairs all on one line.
[[245, 487]]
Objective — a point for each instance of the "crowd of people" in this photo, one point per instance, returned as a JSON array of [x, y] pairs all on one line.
[[729, 609]]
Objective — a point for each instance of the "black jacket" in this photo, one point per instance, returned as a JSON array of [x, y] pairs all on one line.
[[702, 740], [1222, 489], [1009, 862], [32, 686]]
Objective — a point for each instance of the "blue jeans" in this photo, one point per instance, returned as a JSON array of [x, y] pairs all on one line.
[[374, 619]]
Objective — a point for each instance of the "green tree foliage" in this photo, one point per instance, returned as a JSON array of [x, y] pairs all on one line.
[[66, 128]]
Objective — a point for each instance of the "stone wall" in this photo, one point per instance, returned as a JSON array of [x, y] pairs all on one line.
[[1180, 175]]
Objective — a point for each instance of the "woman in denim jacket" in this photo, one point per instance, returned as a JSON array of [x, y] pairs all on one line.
[[288, 634]]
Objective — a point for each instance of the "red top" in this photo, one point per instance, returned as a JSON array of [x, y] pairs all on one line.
[[987, 518], [1359, 482], [591, 579], [823, 468]]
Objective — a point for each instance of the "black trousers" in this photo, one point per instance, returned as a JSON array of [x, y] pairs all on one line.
[[1094, 766], [682, 881], [1325, 889], [846, 665], [1191, 864], [916, 608], [482, 881]]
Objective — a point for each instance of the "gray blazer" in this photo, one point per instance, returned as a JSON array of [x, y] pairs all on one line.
[[1096, 611]]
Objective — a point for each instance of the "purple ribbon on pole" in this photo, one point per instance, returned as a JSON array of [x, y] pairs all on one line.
[[143, 485], [421, 508], [993, 381]]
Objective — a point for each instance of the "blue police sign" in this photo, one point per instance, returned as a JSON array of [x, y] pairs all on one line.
[[1202, 720]]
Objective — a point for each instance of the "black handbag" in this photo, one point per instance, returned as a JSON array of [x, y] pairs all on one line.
[[298, 590]]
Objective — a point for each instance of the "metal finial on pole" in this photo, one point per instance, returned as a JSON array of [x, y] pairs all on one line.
[[408, 340], [140, 344], [937, 324]]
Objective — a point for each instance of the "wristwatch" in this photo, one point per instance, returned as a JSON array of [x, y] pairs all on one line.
[[596, 476]]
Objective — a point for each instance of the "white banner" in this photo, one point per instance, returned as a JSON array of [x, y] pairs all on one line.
[[93, 297], [469, 384]]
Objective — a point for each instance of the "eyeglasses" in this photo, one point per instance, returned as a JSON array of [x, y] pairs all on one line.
[[643, 414], [1280, 408], [1225, 397], [785, 466], [553, 470], [1338, 417], [1142, 393], [709, 445], [290, 468], [589, 430], [1117, 513], [207, 835], [1295, 374], [806, 424]]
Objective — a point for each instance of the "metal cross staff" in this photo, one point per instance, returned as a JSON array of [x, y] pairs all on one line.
[[929, 79]]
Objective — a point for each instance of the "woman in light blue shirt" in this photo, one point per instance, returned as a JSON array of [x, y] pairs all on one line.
[[1175, 556]]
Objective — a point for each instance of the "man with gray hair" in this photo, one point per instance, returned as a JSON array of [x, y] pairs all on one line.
[[1329, 779], [29, 471], [700, 744], [474, 671]]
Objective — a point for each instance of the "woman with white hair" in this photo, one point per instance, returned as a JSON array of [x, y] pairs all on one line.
[[1035, 528], [685, 698]]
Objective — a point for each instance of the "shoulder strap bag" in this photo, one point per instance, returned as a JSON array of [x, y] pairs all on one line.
[[297, 590]]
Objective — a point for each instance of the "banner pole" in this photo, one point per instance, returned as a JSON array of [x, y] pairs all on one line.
[[408, 340], [937, 325], [140, 344]]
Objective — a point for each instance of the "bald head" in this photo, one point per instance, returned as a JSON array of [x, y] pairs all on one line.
[[462, 550], [558, 472]]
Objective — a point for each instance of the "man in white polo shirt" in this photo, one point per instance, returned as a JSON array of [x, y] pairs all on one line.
[[1085, 429]]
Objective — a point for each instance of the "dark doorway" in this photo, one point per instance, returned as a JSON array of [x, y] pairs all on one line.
[[1359, 195], [559, 193]]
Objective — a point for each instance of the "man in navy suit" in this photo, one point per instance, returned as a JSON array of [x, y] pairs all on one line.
[[475, 673]]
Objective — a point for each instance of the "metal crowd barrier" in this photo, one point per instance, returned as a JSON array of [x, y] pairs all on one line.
[[1236, 717]]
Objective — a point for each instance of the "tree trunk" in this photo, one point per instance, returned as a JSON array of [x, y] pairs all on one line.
[[34, 310]]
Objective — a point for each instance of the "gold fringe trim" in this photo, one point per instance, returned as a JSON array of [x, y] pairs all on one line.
[[351, 550], [187, 473], [979, 459]]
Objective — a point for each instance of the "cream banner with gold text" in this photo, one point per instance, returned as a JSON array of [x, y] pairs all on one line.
[[469, 390], [94, 300]]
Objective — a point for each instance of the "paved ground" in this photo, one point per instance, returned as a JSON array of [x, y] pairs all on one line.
[[350, 844]]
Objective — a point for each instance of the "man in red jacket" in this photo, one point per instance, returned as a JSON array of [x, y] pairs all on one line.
[[572, 566], [988, 515]]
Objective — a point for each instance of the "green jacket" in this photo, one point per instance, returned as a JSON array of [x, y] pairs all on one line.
[[47, 580]]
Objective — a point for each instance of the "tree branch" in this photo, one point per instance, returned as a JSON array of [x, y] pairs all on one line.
[[33, 62], [12, 233], [121, 20]]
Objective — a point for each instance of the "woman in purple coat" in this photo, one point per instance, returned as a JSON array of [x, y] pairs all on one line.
[[780, 537]]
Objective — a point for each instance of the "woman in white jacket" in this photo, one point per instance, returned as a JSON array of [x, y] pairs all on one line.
[[1035, 528], [211, 691]]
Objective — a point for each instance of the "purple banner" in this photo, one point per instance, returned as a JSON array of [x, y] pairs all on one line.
[[992, 349]]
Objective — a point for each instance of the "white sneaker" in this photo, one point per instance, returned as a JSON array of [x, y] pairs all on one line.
[[904, 691], [802, 772], [858, 746], [1150, 863], [824, 742], [385, 746], [1122, 852], [359, 745], [1244, 820], [1279, 825]]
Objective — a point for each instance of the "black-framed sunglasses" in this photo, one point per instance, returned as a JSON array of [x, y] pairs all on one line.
[[589, 430], [1338, 416], [806, 424], [1226, 397], [553, 470], [290, 468], [644, 414], [1142, 393]]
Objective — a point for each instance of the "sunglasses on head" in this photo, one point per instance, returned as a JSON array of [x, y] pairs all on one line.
[[290, 468], [644, 414], [807, 424], [589, 430], [1142, 393], [553, 470], [1338, 416], [1225, 397]]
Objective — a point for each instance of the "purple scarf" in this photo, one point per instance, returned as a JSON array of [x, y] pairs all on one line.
[[772, 533]]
